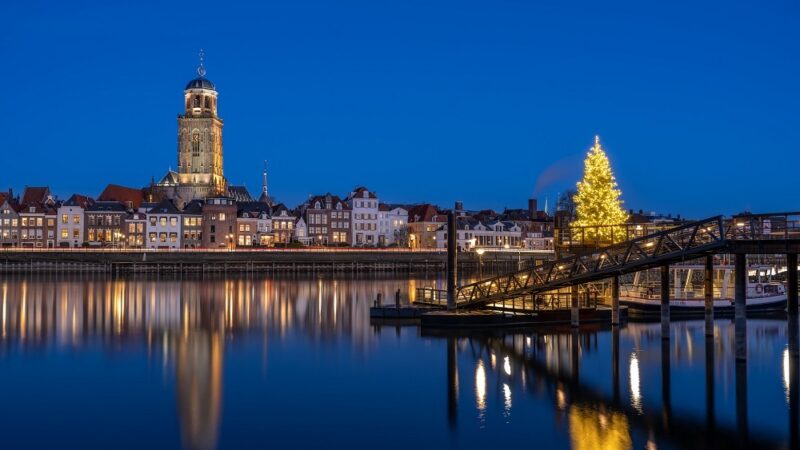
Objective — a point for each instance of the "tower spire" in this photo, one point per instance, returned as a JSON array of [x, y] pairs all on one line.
[[264, 189], [201, 68]]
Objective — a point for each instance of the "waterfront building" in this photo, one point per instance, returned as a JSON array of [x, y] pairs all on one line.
[[392, 225], [423, 221], [193, 224], [135, 226], [283, 222], [329, 220], [37, 218], [9, 221], [253, 224], [364, 205], [104, 221], [301, 232], [69, 224], [472, 234], [219, 223], [164, 226]]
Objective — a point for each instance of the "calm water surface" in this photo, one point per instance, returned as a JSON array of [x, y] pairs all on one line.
[[237, 363]]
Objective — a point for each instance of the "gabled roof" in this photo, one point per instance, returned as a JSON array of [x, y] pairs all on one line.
[[239, 193], [107, 206], [169, 179], [127, 195], [193, 208], [165, 207], [34, 195], [327, 201], [78, 200], [359, 193], [252, 209], [264, 198], [422, 213]]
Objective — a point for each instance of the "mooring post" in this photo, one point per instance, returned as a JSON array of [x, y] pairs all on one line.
[[710, 420], [615, 300], [452, 382], [740, 306], [665, 302], [452, 260], [708, 288], [575, 307], [791, 283]]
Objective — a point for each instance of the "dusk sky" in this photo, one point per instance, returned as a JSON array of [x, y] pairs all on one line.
[[485, 102]]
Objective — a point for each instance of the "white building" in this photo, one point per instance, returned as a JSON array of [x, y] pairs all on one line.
[[365, 217], [301, 232], [164, 226], [392, 224], [474, 234], [69, 224]]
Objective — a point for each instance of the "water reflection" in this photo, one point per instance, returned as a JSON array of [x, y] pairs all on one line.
[[615, 388], [185, 322]]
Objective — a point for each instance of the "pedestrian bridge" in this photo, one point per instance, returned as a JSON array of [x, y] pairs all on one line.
[[776, 233]]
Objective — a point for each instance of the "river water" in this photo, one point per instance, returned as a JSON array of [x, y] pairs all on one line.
[[281, 362]]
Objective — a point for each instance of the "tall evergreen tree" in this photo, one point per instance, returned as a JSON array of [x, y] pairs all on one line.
[[598, 204]]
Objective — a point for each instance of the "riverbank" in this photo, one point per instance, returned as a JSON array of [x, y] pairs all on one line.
[[261, 260]]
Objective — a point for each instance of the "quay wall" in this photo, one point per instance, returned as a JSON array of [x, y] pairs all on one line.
[[346, 260]]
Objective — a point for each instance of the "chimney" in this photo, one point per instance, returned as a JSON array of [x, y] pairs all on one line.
[[532, 207], [459, 206]]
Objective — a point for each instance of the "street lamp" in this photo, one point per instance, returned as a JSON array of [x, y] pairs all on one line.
[[229, 237], [480, 253]]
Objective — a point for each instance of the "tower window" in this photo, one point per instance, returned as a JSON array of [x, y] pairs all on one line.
[[196, 143], [197, 101], [208, 102]]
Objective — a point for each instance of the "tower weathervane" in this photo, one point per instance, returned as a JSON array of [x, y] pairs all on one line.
[[201, 69]]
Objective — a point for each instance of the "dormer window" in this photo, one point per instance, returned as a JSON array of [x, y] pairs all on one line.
[[339, 206], [317, 205]]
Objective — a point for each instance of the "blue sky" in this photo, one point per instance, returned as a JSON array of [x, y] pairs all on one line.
[[485, 102]]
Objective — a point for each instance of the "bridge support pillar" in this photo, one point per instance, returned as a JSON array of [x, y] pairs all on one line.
[[791, 283], [452, 261], [575, 309], [665, 302], [615, 300], [708, 287], [740, 306]]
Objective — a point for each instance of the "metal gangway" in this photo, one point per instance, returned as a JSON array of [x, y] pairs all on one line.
[[744, 234]]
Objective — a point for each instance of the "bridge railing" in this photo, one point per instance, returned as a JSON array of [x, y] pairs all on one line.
[[771, 226], [687, 239], [605, 235]]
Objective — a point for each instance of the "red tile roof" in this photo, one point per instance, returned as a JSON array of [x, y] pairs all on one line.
[[130, 196], [35, 195], [422, 213]]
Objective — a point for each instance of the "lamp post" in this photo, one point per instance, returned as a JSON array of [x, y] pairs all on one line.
[[480, 253], [229, 237]]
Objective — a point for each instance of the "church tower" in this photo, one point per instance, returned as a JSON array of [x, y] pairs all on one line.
[[200, 141]]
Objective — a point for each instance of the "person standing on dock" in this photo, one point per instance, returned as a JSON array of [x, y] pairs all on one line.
[[397, 299]]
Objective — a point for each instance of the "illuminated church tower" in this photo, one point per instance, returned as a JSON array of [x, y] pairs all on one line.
[[200, 142]]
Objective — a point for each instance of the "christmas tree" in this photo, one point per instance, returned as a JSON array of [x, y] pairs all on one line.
[[597, 203]]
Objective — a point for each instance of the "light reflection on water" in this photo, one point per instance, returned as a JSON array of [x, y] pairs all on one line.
[[324, 366]]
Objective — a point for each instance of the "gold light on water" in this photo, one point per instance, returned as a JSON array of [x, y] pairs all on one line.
[[480, 386], [636, 393]]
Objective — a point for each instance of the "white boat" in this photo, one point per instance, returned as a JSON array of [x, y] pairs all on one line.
[[687, 295]]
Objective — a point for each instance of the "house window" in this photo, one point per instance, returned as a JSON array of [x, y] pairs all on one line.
[[64, 218], [76, 219], [64, 233], [173, 221]]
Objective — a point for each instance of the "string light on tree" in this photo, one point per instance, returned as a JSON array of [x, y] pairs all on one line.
[[597, 202]]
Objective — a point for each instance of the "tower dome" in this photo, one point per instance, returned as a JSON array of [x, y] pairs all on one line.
[[200, 83]]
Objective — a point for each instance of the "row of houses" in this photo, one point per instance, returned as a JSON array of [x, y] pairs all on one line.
[[127, 217]]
